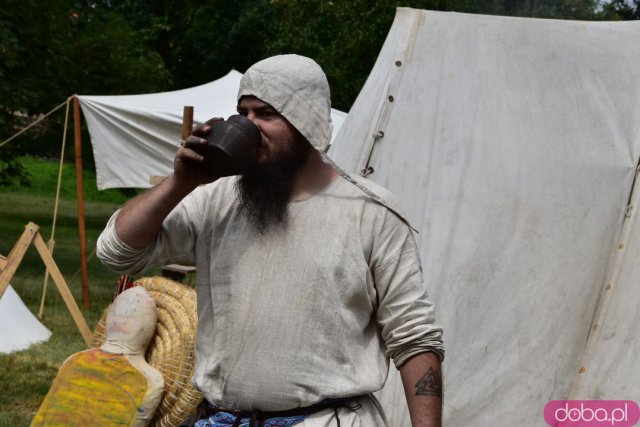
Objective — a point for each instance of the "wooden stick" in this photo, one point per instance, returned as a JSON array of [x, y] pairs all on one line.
[[156, 179], [15, 256], [187, 122], [81, 323], [50, 246], [9, 265], [77, 132]]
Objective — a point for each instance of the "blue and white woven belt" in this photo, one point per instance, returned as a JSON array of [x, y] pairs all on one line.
[[226, 419]]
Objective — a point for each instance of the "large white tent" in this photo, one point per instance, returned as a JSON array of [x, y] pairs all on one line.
[[513, 147], [135, 137]]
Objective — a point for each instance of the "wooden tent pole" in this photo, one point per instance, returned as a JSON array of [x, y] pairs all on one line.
[[77, 133], [187, 121]]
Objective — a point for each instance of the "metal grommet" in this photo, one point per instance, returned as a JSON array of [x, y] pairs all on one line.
[[367, 171]]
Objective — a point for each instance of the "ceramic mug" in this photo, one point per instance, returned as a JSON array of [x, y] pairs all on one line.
[[231, 148]]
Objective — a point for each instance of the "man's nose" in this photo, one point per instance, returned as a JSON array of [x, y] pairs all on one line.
[[251, 116]]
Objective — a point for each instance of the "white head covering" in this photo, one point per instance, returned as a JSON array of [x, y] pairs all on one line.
[[298, 89]]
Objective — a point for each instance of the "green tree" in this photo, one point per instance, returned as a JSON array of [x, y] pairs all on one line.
[[200, 40], [51, 50], [223, 35], [620, 10], [344, 37]]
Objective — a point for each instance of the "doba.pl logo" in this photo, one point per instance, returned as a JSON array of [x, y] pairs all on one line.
[[592, 413]]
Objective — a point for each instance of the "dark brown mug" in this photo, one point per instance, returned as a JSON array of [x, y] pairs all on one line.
[[231, 148]]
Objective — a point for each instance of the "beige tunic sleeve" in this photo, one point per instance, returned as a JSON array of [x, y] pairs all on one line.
[[405, 314], [174, 243]]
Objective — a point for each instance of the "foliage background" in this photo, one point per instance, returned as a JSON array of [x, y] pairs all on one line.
[[51, 49]]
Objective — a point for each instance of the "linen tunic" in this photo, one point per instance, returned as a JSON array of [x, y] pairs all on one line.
[[295, 316]]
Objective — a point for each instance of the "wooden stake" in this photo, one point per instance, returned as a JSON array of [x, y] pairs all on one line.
[[15, 256], [77, 132], [187, 122], [50, 246], [9, 265], [41, 246]]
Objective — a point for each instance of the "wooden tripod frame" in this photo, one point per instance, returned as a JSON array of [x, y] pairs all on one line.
[[9, 265]]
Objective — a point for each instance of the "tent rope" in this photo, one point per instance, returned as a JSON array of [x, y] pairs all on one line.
[[75, 275], [365, 190], [6, 141], [64, 140], [51, 242]]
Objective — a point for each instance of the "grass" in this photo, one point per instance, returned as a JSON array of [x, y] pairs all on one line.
[[44, 176], [25, 376]]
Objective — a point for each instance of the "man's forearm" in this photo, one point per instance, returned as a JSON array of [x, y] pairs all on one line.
[[141, 218], [422, 380]]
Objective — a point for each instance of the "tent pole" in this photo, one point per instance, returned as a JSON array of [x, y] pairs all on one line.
[[77, 133], [187, 121]]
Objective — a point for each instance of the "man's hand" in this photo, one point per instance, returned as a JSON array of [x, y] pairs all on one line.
[[141, 218], [422, 380], [189, 167]]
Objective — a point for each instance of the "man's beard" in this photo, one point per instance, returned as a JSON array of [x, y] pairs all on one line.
[[265, 191]]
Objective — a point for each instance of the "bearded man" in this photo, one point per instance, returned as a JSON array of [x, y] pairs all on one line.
[[309, 279]]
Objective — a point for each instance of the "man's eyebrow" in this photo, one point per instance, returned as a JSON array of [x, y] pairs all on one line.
[[261, 109]]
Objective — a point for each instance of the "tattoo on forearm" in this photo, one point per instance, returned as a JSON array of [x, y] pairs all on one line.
[[430, 384]]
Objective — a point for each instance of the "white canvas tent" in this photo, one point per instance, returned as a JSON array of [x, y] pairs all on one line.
[[135, 137], [513, 145], [19, 328]]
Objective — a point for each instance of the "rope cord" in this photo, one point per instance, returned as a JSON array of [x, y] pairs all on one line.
[[44, 289], [64, 141], [364, 189], [52, 241], [80, 269], [6, 141]]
